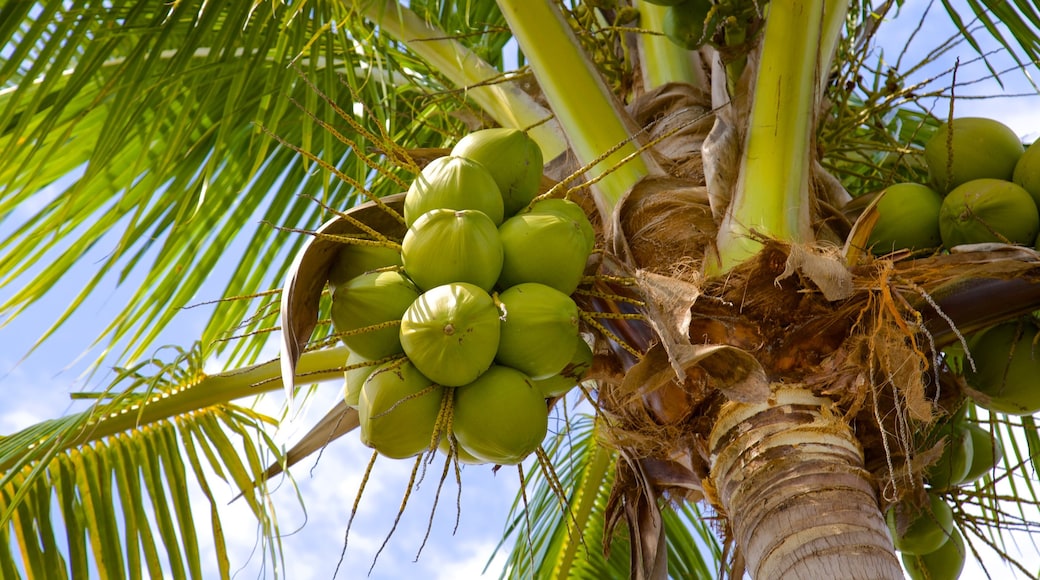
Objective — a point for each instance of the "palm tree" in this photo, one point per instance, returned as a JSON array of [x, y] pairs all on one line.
[[756, 375]]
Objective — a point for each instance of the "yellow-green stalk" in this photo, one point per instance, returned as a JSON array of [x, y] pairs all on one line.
[[661, 60], [504, 101], [590, 115], [771, 197]]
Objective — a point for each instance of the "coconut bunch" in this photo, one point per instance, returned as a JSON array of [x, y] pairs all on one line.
[[983, 186], [459, 334]]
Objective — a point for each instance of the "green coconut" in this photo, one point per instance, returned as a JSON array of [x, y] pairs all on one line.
[[568, 209], [945, 563], [354, 378], [987, 452], [952, 466], [920, 530], [543, 247], [461, 453], [572, 373], [371, 299], [988, 210], [908, 219], [501, 417], [1027, 171], [453, 183], [539, 329], [398, 410], [1007, 368], [445, 246], [451, 333], [685, 24], [512, 157], [352, 260], [981, 149], [664, 2]]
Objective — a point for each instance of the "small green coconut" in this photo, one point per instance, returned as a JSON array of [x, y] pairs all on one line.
[[547, 248], [539, 329], [981, 149], [568, 209], [451, 333], [987, 452], [355, 377], [952, 466], [445, 246], [908, 219], [1027, 171], [945, 563], [461, 453], [686, 24], [371, 299], [352, 260], [453, 183], [1007, 368], [501, 417], [572, 374], [920, 531], [988, 210], [512, 157], [398, 410]]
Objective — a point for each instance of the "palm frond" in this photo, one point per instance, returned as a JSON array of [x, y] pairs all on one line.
[[563, 537], [146, 128]]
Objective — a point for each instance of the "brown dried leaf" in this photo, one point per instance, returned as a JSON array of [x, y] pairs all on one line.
[[734, 372], [339, 421], [825, 270], [309, 272]]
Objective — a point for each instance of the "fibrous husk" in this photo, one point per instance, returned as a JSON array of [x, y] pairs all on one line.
[[677, 118]]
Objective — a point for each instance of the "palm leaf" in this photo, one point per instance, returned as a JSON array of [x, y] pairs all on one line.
[[556, 537]]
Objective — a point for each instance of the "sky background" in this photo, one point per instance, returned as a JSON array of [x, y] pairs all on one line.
[[36, 387]]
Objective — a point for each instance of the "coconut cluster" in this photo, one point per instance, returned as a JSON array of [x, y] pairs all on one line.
[[984, 186], [459, 338]]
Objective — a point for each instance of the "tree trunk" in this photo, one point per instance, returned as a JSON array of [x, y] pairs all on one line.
[[789, 476]]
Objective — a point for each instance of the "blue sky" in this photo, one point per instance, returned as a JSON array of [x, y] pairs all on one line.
[[37, 388]]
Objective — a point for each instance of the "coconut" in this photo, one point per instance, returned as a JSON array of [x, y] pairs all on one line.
[[512, 157], [568, 209], [920, 531], [461, 453], [501, 417], [908, 219], [686, 24], [367, 300], [352, 260], [1027, 171], [952, 466], [539, 329], [987, 452], [398, 410], [981, 148], [453, 183], [572, 373], [945, 563], [547, 248], [355, 378], [451, 333], [445, 246], [988, 210], [1007, 368]]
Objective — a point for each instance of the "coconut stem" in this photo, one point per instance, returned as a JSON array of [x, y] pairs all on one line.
[[771, 198], [661, 61], [506, 102], [588, 111]]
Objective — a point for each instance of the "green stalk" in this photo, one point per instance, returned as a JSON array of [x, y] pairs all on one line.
[[314, 366], [590, 115], [661, 60], [771, 198], [504, 101]]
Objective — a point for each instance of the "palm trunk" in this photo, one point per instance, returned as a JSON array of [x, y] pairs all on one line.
[[789, 476]]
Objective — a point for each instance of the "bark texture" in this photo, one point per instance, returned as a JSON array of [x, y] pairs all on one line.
[[789, 476]]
